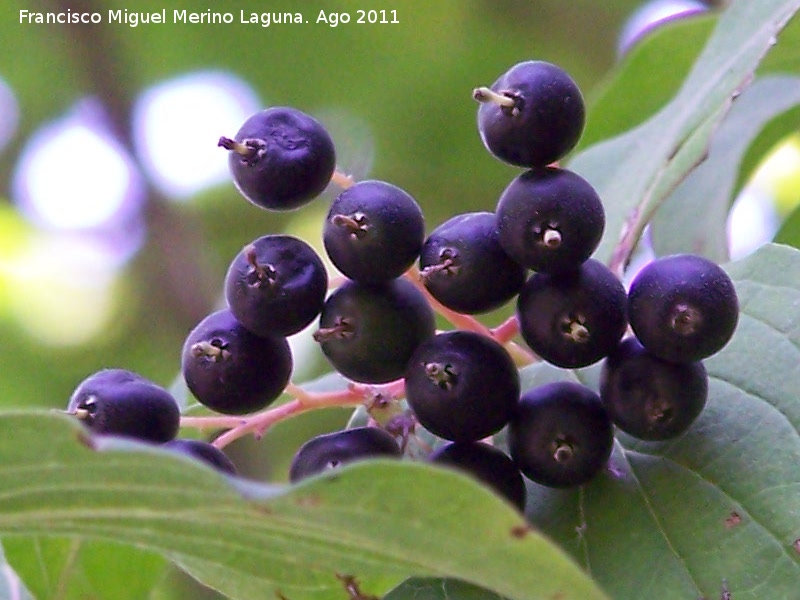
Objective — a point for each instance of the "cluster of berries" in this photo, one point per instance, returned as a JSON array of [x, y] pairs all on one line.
[[377, 326]]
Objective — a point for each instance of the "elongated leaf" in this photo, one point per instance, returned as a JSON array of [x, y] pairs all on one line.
[[693, 218], [646, 78], [634, 172], [677, 519], [380, 522]]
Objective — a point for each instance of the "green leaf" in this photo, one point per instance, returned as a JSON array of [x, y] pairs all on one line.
[[693, 218], [11, 586], [439, 589], [381, 522], [634, 172], [646, 78], [75, 569], [674, 520]]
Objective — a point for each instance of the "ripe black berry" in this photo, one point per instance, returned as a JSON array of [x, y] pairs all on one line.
[[276, 285], [683, 308], [648, 397], [231, 370], [374, 231], [550, 220], [463, 266], [462, 386], [369, 332], [561, 435], [488, 465], [573, 319], [532, 115], [281, 158], [120, 402], [332, 450], [203, 451]]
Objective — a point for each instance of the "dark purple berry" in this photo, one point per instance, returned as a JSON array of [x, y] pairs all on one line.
[[276, 285], [369, 332], [281, 158], [550, 220], [573, 319], [332, 450], [462, 386], [487, 464], [683, 308], [120, 402], [203, 451], [648, 397], [463, 266], [532, 116], [561, 435], [231, 370], [373, 232]]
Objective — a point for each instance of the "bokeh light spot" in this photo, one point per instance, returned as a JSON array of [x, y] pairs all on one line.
[[651, 15], [177, 125], [63, 288], [72, 175]]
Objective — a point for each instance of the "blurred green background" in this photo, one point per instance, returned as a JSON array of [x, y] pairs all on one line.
[[109, 262]]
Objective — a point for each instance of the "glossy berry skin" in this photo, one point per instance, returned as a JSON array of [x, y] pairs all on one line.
[[332, 450], [561, 435], [369, 332], [573, 319], [487, 464], [462, 386], [550, 220], [683, 308], [231, 370], [648, 397], [276, 285], [203, 451], [464, 267], [281, 158], [374, 231], [120, 402], [545, 122]]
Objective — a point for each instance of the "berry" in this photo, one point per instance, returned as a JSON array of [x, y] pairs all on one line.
[[231, 370], [369, 332], [488, 465], [573, 319], [120, 402], [332, 450], [463, 266], [683, 307], [281, 158], [276, 285], [550, 220], [648, 397], [203, 451], [373, 231], [462, 386], [532, 115], [561, 435]]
